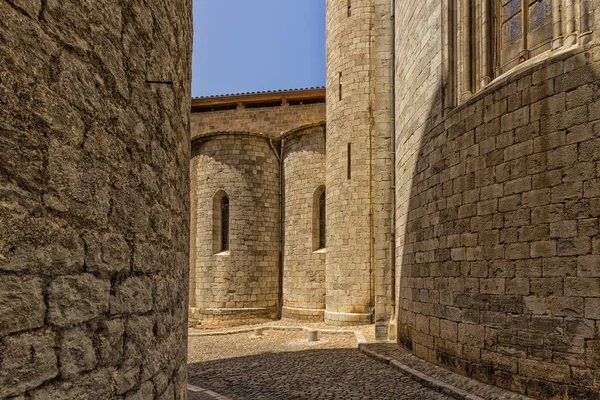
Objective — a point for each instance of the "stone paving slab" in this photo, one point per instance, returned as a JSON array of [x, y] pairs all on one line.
[[282, 364], [436, 377], [198, 393]]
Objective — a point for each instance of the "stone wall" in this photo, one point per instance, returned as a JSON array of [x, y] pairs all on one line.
[[304, 262], [94, 160], [357, 171], [497, 215], [381, 195], [242, 282], [269, 121]]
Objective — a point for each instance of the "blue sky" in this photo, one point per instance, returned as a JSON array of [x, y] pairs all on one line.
[[256, 45]]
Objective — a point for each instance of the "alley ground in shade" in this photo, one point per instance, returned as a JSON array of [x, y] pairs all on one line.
[[284, 365]]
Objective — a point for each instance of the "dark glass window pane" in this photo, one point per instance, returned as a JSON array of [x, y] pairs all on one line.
[[540, 13], [225, 223], [322, 230], [513, 29], [510, 8]]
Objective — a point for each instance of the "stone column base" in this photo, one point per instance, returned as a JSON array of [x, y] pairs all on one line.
[[231, 314], [346, 319], [304, 314]]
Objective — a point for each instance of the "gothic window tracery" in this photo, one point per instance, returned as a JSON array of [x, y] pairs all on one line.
[[488, 38]]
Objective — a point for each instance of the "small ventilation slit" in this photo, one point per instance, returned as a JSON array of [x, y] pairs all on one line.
[[349, 160]]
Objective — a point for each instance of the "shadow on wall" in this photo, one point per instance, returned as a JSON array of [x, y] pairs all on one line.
[[499, 260]]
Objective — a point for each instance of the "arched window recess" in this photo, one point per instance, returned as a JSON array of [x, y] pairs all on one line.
[[319, 232], [221, 223]]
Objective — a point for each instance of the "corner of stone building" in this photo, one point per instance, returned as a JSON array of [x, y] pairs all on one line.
[[94, 161]]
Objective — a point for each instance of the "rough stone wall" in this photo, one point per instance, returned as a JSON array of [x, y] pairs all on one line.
[[498, 217], [242, 282], [94, 190], [381, 44], [304, 268], [355, 118], [269, 121]]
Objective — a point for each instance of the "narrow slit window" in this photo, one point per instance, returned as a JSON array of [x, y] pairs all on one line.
[[349, 7], [225, 223], [349, 160], [322, 222], [319, 230], [340, 85]]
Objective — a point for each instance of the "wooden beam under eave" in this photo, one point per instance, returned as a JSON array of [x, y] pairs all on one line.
[[310, 94]]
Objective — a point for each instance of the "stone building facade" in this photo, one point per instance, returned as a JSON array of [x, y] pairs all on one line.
[[461, 191], [94, 163], [496, 219], [264, 153]]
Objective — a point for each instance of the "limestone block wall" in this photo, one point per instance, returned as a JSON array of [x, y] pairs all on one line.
[[497, 215], [381, 43], [94, 161], [355, 155], [304, 262], [242, 282], [269, 121]]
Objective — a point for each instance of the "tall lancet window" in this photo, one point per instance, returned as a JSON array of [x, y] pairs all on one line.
[[322, 223], [225, 223], [221, 223], [319, 217]]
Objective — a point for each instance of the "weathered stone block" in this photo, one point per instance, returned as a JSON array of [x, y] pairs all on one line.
[[535, 305], [145, 392], [559, 266], [543, 249], [500, 361], [588, 266], [582, 287], [573, 247], [41, 247], [147, 257], [472, 335], [80, 186], [77, 298], [563, 229], [134, 295], [580, 327], [566, 306], [126, 377], [517, 286], [21, 304], [140, 331], [27, 362], [108, 252], [592, 308], [448, 330], [492, 286], [545, 371], [110, 342], [77, 353], [546, 286], [97, 384]]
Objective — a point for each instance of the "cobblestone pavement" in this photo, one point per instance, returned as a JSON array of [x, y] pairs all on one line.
[[284, 365]]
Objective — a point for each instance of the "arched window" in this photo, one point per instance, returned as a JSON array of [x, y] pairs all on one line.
[[319, 231], [322, 230], [221, 225], [225, 223]]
